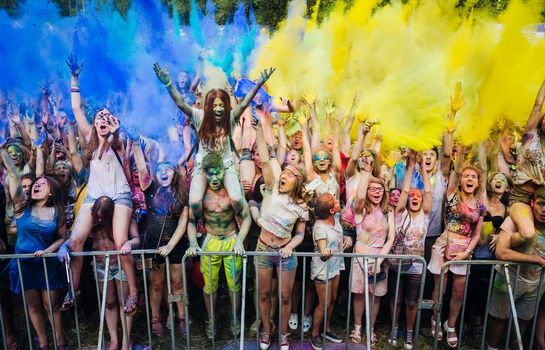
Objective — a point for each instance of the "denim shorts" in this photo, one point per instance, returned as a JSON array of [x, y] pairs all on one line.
[[269, 262], [114, 271], [123, 199]]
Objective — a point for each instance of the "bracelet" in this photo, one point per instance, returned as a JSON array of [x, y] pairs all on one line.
[[74, 85], [74, 89], [169, 83], [468, 251]]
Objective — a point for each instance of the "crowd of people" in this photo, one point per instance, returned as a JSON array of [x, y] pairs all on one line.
[[245, 182]]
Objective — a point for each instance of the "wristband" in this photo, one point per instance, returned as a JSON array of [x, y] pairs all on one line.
[[169, 83], [468, 251]]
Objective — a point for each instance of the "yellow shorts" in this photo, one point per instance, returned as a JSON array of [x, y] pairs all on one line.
[[211, 264]]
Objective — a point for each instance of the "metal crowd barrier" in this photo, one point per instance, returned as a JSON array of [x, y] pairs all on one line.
[[239, 340]]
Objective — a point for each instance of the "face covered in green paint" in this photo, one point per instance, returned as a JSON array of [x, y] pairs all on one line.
[[16, 154], [215, 177]]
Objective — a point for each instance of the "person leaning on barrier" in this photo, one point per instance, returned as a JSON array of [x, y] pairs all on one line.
[[221, 236], [512, 246]]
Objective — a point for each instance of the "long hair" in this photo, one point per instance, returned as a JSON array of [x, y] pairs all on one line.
[[480, 187], [94, 142], [102, 213], [489, 192], [209, 124], [181, 197], [384, 203], [297, 193], [55, 200]]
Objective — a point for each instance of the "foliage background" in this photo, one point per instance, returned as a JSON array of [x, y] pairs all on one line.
[[268, 13]]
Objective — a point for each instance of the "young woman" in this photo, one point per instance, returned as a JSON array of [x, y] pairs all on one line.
[[106, 178], [41, 229], [464, 219], [283, 211], [375, 235], [166, 225], [325, 270], [412, 219], [103, 212], [214, 125]]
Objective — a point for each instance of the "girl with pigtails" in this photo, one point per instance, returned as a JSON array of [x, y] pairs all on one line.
[[214, 125]]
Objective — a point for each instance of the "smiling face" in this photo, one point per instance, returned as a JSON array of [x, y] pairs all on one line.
[[429, 159], [375, 193], [321, 161], [102, 122], [215, 177], [16, 154], [164, 174], [415, 200], [218, 108], [469, 181], [394, 197], [40, 190], [499, 184]]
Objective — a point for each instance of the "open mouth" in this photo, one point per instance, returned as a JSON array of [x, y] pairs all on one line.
[[282, 183], [427, 163], [103, 127], [36, 190], [469, 186], [164, 177]]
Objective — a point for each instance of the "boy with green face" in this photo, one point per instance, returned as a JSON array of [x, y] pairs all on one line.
[[221, 236], [512, 247]]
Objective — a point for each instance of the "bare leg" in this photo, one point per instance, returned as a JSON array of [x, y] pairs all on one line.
[[111, 313], [458, 286], [435, 294], [209, 307], [232, 185], [34, 302], [196, 194], [247, 173], [318, 316], [157, 282], [56, 314], [177, 287], [264, 285], [540, 329], [358, 306], [332, 291], [121, 221], [376, 308], [495, 332], [288, 277], [79, 235], [127, 343], [296, 297]]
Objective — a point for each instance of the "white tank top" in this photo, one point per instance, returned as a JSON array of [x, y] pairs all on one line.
[[106, 176]]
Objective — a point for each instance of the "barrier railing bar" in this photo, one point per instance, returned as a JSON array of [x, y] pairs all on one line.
[[145, 280], [50, 305], [124, 322], [70, 277], [243, 302], [303, 294], [349, 304], [536, 309], [186, 302], [488, 295], [3, 327], [396, 296], [419, 309], [366, 297], [280, 302], [461, 316], [97, 291], [100, 345], [170, 307], [212, 318], [234, 300], [514, 315], [25, 306]]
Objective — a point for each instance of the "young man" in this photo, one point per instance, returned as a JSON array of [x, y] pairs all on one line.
[[512, 247], [221, 236]]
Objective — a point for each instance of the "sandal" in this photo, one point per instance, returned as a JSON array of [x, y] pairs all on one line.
[[68, 301], [433, 324], [355, 336], [131, 305], [157, 328], [373, 339], [13, 344], [451, 341]]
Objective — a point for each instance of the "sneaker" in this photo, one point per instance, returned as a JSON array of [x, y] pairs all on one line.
[[209, 330], [264, 340], [317, 342], [284, 342], [332, 337], [293, 322], [409, 340], [393, 336], [307, 323]]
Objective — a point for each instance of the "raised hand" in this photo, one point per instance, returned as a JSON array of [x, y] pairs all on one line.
[[75, 67], [265, 75], [301, 118], [162, 74], [329, 106], [308, 99], [457, 98], [113, 124]]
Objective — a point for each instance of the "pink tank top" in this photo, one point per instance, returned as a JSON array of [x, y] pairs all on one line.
[[372, 231]]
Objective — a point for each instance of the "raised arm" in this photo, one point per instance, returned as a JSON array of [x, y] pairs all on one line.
[[15, 186], [454, 177], [361, 191], [164, 77], [270, 167], [535, 115], [143, 172], [281, 148], [239, 109], [348, 124], [406, 185], [307, 151], [75, 96], [427, 198], [315, 138], [363, 130], [336, 153], [75, 157]]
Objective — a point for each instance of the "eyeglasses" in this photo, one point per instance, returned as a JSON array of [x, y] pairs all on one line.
[[375, 189]]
